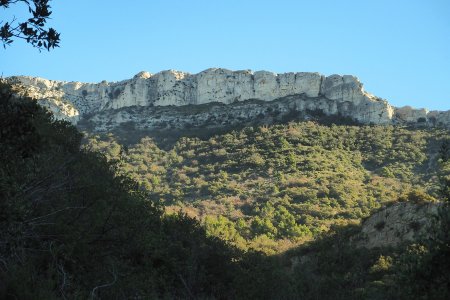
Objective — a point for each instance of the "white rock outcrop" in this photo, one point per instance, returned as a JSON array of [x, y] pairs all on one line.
[[177, 88]]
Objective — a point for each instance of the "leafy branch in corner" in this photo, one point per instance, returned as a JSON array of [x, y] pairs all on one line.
[[33, 30]]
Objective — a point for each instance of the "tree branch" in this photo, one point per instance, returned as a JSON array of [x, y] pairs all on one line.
[[105, 285]]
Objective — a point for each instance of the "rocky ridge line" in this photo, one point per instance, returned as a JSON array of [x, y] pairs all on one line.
[[332, 95]]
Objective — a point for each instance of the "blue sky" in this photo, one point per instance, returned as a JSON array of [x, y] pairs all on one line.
[[399, 49]]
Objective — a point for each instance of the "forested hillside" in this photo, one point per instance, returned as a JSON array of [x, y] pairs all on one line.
[[272, 187], [77, 224], [71, 227]]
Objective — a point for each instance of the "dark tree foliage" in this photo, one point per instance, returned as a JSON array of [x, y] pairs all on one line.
[[444, 176], [33, 30], [444, 150], [72, 228]]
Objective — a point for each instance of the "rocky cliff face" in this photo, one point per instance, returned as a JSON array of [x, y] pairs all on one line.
[[332, 95], [399, 223]]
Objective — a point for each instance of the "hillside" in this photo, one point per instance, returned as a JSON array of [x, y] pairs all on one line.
[[298, 210], [71, 227], [271, 187]]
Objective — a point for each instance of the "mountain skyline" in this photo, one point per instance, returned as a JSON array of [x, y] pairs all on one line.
[[397, 49], [106, 105]]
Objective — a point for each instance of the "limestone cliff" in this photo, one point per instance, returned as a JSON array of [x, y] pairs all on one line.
[[332, 95]]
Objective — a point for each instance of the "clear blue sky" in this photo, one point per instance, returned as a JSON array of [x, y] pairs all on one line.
[[399, 49]]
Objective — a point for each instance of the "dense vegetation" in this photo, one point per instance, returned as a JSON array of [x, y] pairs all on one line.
[[72, 228], [75, 225], [272, 187]]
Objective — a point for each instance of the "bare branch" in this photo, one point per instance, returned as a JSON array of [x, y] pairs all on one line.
[[186, 286], [54, 212], [94, 290], [64, 281]]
